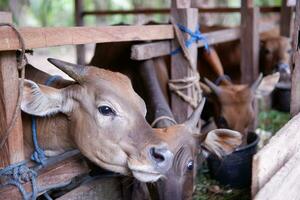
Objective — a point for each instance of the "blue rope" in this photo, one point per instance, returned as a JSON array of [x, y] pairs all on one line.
[[39, 155], [195, 37], [221, 78], [17, 174]]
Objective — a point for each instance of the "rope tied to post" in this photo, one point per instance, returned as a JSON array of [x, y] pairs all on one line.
[[195, 37], [16, 175], [21, 68], [192, 81]]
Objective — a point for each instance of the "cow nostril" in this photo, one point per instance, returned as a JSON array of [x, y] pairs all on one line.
[[157, 155]]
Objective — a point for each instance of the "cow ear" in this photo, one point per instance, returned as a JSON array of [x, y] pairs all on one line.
[[222, 141], [41, 100], [267, 85]]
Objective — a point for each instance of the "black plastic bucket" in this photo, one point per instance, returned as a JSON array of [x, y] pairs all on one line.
[[235, 169], [282, 97]]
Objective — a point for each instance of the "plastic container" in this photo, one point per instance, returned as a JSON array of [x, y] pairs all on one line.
[[235, 169], [282, 97]]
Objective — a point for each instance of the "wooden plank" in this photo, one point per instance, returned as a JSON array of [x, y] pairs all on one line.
[[284, 184], [286, 14], [61, 172], [12, 150], [80, 50], [179, 64], [275, 154], [163, 48], [102, 188], [47, 37], [149, 11], [249, 42], [295, 96]]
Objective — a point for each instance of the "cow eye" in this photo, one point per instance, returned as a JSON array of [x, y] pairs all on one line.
[[190, 165], [289, 51], [106, 110]]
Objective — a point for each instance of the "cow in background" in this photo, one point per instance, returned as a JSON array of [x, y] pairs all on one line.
[[274, 54]]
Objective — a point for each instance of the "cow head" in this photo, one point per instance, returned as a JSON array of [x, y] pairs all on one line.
[[106, 119], [184, 141], [275, 54], [233, 103]]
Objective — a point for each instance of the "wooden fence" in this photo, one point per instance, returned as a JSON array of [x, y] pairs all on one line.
[[72, 165]]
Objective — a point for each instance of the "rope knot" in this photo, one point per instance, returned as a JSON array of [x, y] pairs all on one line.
[[195, 37]]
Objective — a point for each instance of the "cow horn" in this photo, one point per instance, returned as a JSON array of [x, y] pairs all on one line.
[[74, 71], [216, 89], [194, 118], [255, 85]]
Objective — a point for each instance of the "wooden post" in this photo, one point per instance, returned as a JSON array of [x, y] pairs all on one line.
[[187, 17], [295, 96], [249, 42], [80, 50], [12, 150], [286, 14]]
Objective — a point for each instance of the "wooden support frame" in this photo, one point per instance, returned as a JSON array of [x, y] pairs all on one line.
[[63, 170], [180, 66], [286, 14], [295, 92], [249, 42], [156, 49], [48, 37], [149, 11], [275, 154], [12, 151], [80, 50]]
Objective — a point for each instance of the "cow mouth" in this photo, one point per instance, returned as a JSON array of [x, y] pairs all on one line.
[[146, 176]]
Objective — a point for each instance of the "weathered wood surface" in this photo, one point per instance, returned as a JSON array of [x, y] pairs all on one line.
[[60, 172], [286, 14], [99, 189], [249, 42], [80, 50], [55, 36], [12, 150], [163, 48], [275, 154], [180, 66], [295, 96], [284, 184], [148, 11]]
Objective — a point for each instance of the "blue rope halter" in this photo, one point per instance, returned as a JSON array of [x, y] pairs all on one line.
[[195, 37], [39, 155]]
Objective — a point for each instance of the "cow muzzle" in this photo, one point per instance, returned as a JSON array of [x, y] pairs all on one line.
[[161, 158]]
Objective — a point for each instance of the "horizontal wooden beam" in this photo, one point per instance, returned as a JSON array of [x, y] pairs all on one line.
[[55, 36], [163, 48], [148, 11], [55, 173], [275, 154]]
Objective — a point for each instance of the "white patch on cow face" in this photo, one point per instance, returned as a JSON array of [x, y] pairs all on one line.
[[42, 100]]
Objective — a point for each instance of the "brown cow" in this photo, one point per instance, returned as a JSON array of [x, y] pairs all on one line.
[[183, 139], [233, 103], [274, 52], [100, 114]]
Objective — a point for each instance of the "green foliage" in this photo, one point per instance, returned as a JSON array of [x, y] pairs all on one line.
[[204, 190], [4, 5], [272, 120]]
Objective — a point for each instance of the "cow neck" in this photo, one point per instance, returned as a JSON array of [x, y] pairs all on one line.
[[161, 115]]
